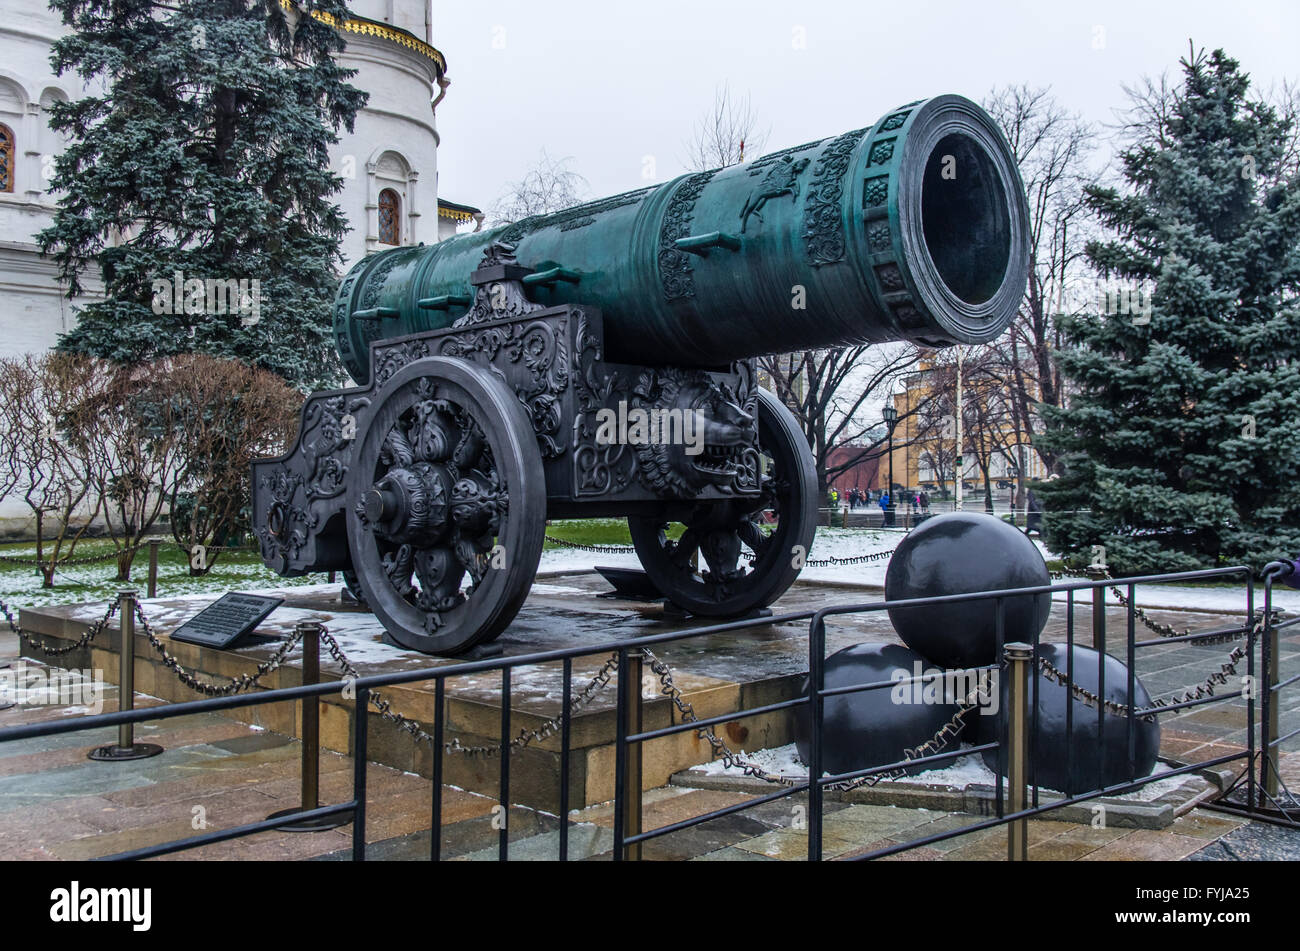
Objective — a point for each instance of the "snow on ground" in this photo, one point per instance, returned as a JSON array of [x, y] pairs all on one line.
[[854, 542], [964, 771], [23, 589]]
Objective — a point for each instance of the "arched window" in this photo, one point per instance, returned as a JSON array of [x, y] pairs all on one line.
[[390, 217], [7, 152]]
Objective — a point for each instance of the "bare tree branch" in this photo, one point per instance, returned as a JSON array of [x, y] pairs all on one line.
[[726, 134]]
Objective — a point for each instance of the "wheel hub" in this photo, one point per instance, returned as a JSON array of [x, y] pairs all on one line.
[[410, 504]]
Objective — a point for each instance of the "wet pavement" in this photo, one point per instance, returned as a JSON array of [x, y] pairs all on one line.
[[216, 773]]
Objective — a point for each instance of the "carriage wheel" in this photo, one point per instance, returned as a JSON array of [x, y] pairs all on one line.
[[446, 506], [747, 558]]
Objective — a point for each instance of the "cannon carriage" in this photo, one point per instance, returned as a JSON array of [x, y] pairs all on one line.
[[600, 362]]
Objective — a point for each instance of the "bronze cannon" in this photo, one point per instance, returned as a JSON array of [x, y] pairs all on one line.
[[599, 361]]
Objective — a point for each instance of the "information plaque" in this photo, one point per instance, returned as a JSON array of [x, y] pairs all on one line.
[[226, 620]]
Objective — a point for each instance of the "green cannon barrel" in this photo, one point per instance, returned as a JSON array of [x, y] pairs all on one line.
[[913, 229]]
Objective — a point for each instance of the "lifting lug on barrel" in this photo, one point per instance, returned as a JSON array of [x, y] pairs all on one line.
[[445, 302], [377, 313], [701, 244], [552, 276]]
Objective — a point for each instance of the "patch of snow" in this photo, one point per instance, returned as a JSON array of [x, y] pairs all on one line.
[[963, 772]]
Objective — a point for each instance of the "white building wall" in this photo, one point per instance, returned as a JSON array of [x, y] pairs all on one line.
[[394, 144]]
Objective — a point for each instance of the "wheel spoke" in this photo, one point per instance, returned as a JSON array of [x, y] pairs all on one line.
[[397, 567]]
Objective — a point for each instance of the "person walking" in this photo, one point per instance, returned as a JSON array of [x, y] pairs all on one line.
[[884, 509], [1033, 514]]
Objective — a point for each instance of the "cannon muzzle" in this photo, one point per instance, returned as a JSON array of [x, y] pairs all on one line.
[[913, 229]]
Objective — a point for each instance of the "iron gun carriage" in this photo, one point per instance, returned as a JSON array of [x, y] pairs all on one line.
[[599, 361]]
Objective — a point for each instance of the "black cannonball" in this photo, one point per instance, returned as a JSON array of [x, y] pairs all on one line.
[[873, 727], [955, 553], [1097, 758]]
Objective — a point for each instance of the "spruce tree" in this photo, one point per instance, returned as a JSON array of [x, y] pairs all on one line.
[[1181, 437], [202, 152]]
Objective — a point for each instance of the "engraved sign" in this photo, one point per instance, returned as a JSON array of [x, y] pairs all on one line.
[[226, 620]]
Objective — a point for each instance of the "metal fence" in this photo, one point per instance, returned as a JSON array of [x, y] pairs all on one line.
[[1017, 796]]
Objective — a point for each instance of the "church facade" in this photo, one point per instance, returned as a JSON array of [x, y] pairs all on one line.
[[389, 162]]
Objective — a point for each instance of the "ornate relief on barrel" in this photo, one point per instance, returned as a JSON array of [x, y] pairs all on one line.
[[883, 155], [822, 220], [675, 266]]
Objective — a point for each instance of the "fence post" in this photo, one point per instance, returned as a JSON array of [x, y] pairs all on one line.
[[632, 774], [126, 748], [1017, 655], [310, 632], [1270, 686], [1096, 573], [154, 544]]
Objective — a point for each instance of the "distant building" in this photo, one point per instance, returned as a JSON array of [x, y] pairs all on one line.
[[389, 162], [925, 440], [862, 474]]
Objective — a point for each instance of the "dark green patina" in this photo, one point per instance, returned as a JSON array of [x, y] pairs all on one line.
[[911, 229]]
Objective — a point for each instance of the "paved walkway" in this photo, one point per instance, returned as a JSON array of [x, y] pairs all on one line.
[[217, 773]]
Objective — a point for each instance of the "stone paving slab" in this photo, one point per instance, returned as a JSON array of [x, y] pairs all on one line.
[[54, 804]]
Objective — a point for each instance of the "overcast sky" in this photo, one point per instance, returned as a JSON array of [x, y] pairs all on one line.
[[611, 83]]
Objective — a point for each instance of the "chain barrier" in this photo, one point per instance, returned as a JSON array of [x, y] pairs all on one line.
[[749, 556], [668, 688], [1204, 689], [208, 688], [189, 552], [854, 560], [1156, 627], [598, 549], [91, 633], [416, 731], [72, 562], [732, 760]]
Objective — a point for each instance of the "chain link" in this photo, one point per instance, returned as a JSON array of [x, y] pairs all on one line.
[[733, 760], [749, 556], [598, 549], [415, 730], [71, 562], [668, 688], [1156, 627], [730, 759], [1204, 689], [91, 633], [189, 552], [207, 687]]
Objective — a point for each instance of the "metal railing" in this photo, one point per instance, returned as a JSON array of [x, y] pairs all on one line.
[[1014, 748]]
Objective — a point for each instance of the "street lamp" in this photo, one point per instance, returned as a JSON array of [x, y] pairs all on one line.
[[890, 416]]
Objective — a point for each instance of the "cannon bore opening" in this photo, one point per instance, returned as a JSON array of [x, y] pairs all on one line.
[[964, 218]]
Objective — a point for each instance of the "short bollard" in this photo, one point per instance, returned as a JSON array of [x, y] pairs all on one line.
[[154, 544], [1018, 655], [310, 632], [126, 747]]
